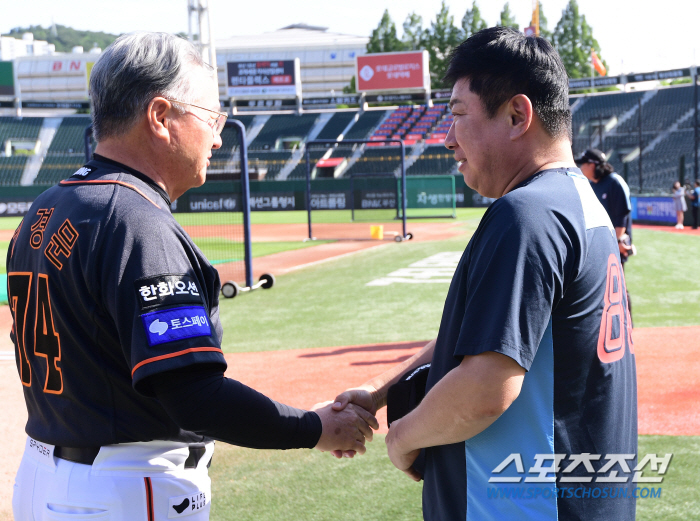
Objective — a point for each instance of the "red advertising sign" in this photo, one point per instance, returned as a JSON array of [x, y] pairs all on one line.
[[392, 71]]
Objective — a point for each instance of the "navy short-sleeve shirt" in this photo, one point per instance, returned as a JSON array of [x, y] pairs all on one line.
[[540, 282]]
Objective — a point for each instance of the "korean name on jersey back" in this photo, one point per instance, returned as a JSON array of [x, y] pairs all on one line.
[[167, 290]]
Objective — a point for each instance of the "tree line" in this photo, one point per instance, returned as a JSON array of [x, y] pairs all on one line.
[[65, 38], [572, 37]]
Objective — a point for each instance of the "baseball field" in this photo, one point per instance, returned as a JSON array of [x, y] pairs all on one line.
[[343, 311]]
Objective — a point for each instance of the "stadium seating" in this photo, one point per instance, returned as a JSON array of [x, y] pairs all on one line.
[[609, 121], [273, 160], [365, 124], [299, 171], [435, 160], [55, 168], [19, 128], [70, 136], [666, 134], [281, 126], [336, 125], [11, 169], [376, 161]]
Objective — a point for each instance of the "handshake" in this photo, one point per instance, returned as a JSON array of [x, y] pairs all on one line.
[[347, 422]]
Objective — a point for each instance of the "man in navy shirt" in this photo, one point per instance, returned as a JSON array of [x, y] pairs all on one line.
[[613, 193], [532, 384]]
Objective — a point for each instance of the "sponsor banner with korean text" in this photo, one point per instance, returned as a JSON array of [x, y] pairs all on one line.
[[336, 200], [392, 71], [653, 209], [263, 78], [11, 207], [267, 201]]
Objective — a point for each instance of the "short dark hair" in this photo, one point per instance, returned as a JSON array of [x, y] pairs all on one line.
[[501, 63]]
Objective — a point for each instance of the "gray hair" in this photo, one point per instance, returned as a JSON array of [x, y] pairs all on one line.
[[132, 71]]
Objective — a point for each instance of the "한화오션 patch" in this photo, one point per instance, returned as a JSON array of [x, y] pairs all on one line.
[[167, 290], [173, 324]]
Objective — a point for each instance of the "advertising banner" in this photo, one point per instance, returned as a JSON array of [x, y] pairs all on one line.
[[7, 79], [263, 78], [15, 206], [654, 209], [392, 71]]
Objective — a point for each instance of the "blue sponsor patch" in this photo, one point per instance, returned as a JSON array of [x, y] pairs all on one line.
[[173, 324]]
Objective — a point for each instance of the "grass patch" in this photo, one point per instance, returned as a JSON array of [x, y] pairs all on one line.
[[9, 223], [301, 484], [679, 498], [330, 305], [219, 250], [269, 485], [662, 279], [4, 245]]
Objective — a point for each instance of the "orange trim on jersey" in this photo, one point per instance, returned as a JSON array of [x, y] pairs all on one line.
[[149, 499], [19, 333], [45, 332], [112, 182], [173, 355], [15, 236]]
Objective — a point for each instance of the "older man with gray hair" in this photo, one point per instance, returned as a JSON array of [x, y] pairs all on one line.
[[116, 321]]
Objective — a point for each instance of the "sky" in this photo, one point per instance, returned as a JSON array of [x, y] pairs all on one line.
[[634, 36]]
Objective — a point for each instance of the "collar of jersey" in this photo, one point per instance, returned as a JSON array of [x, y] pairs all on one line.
[[143, 177], [536, 175]]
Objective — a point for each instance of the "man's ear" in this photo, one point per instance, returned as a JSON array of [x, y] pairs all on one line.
[[159, 113], [520, 115]]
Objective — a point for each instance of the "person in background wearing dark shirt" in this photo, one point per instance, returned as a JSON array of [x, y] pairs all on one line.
[[694, 196], [613, 193]]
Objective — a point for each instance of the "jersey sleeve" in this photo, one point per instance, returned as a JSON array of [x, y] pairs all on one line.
[[514, 278], [160, 292]]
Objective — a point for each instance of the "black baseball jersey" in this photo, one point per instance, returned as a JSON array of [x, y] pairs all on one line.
[[541, 282], [105, 289]]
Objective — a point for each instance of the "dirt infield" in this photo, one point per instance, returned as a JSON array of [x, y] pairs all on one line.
[[358, 231]]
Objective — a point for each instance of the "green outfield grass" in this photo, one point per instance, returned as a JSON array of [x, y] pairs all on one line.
[[9, 223], [301, 484], [663, 279], [3, 255]]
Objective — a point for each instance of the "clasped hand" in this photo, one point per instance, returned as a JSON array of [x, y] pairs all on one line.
[[345, 430]]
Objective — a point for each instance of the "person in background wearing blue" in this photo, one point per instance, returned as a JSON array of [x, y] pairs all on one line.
[[694, 196]]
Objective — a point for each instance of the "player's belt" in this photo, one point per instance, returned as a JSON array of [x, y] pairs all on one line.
[[87, 455]]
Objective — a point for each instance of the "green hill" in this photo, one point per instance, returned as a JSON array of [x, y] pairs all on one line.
[[65, 38]]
